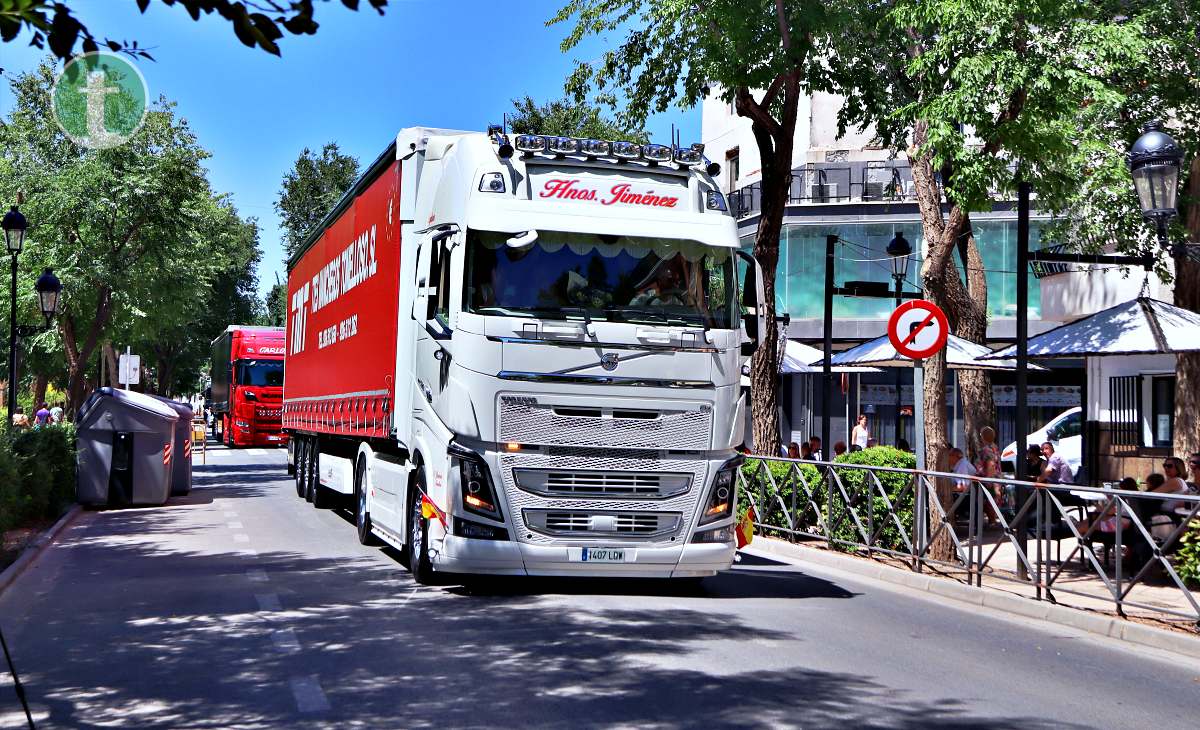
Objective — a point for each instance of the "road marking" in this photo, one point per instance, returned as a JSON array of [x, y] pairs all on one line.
[[256, 452], [230, 514], [309, 695], [286, 641], [248, 552], [257, 575], [268, 602], [234, 525], [241, 538]]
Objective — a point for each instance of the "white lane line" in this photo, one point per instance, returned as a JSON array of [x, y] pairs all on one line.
[[234, 525], [241, 538], [309, 695], [248, 552], [268, 602], [257, 575], [286, 641], [256, 452], [230, 514]]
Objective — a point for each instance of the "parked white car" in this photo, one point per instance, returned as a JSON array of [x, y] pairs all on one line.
[[1065, 431]]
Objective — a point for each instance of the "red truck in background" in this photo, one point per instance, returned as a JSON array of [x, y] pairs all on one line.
[[247, 386]]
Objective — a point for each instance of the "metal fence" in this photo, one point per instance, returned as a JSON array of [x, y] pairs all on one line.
[[1120, 539]]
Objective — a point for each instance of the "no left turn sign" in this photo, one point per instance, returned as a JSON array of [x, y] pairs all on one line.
[[918, 329]]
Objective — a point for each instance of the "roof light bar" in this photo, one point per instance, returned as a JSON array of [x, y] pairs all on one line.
[[689, 156], [531, 143], [627, 150]]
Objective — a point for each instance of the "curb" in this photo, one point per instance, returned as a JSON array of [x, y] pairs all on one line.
[[34, 551], [1110, 626]]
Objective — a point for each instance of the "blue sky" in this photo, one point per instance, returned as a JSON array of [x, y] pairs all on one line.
[[361, 78]]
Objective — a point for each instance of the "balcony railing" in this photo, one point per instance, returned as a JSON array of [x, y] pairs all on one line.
[[819, 183]]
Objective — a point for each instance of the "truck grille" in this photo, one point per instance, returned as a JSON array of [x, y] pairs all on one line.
[[269, 412], [595, 483], [522, 419], [602, 524]]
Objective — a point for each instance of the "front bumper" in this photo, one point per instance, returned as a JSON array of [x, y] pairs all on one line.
[[259, 436], [498, 557]]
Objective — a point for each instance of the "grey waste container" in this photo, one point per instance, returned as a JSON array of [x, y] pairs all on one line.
[[124, 444], [181, 460]]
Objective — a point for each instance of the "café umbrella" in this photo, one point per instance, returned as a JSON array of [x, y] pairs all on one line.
[[1141, 326]]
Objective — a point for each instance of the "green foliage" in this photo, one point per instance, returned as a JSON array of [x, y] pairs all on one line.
[[799, 488], [37, 475], [310, 190], [275, 312], [569, 119], [54, 25], [1187, 558]]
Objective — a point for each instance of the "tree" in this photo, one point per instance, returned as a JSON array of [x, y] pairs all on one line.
[[275, 311], [980, 94], [126, 229], [54, 24], [568, 119], [1162, 80], [673, 53], [310, 190]]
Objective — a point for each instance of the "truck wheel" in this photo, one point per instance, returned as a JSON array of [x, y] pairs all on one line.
[[362, 518], [298, 456], [226, 434], [310, 470], [418, 536]]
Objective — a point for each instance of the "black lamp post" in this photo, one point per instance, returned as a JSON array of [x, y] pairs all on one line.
[[48, 287], [1154, 162], [900, 250]]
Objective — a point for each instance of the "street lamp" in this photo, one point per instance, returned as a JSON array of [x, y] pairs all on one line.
[[14, 226], [900, 250], [1154, 162], [48, 288]]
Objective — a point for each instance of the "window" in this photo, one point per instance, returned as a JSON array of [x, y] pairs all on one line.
[[734, 168], [262, 373], [439, 279], [1162, 409], [1125, 406]]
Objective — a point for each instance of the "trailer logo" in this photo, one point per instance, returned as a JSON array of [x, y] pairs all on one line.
[[299, 319], [621, 193], [610, 360]]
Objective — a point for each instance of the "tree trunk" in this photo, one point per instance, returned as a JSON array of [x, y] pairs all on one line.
[[80, 354], [1187, 295], [939, 277], [39, 390], [974, 386], [110, 365]]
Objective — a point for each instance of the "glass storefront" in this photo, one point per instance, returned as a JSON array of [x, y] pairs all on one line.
[[800, 285]]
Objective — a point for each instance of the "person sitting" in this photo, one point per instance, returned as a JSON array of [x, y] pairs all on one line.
[[855, 448], [793, 450], [1173, 482], [1057, 470], [1035, 465], [902, 444], [872, 443], [814, 447], [1106, 519], [806, 452], [959, 464], [839, 448]]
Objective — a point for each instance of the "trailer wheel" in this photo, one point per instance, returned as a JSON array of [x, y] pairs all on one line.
[[310, 469], [298, 455], [418, 535], [362, 517], [322, 497]]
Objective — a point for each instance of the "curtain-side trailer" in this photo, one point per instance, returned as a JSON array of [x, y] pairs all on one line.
[[525, 358]]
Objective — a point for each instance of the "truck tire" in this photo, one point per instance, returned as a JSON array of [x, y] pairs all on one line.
[[226, 433], [298, 456], [310, 469], [362, 516], [418, 535]]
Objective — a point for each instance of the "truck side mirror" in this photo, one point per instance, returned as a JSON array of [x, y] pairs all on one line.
[[753, 304]]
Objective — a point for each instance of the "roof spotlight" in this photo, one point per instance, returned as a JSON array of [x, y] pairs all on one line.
[[657, 153], [531, 143], [596, 147], [627, 150], [564, 145]]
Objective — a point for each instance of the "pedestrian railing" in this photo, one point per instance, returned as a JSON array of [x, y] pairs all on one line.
[[929, 519]]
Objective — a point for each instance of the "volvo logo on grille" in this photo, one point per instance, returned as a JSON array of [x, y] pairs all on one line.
[[610, 361]]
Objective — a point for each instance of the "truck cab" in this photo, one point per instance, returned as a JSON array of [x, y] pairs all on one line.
[[247, 386]]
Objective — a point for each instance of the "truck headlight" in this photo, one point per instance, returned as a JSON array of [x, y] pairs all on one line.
[[715, 535], [475, 484], [720, 497]]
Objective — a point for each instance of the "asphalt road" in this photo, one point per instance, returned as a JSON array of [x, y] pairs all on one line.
[[241, 606]]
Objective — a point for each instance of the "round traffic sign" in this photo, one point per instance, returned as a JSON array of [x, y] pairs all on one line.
[[918, 329]]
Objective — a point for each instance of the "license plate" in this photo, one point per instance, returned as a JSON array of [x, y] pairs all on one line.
[[274, 438], [605, 555]]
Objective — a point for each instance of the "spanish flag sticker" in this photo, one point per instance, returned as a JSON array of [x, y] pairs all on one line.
[[745, 529]]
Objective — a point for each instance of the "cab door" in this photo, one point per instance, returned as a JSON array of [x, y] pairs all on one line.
[[431, 312]]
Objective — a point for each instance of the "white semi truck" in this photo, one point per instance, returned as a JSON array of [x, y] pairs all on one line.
[[524, 358]]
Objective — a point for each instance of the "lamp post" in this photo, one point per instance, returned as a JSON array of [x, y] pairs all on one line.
[[900, 250], [1154, 161], [14, 238]]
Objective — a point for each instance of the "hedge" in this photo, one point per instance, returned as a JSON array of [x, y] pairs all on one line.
[[856, 484], [37, 475]]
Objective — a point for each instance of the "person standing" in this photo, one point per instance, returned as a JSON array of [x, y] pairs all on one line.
[[42, 416], [56, 414], [861, 434], [814, 447], [987, 446], [20, 421]]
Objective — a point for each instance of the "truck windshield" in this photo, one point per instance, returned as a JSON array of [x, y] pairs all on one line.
[[615, 278], [263, 373]]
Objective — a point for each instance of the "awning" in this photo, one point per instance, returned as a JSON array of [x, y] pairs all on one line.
[[960, 355], [1143, 326]]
